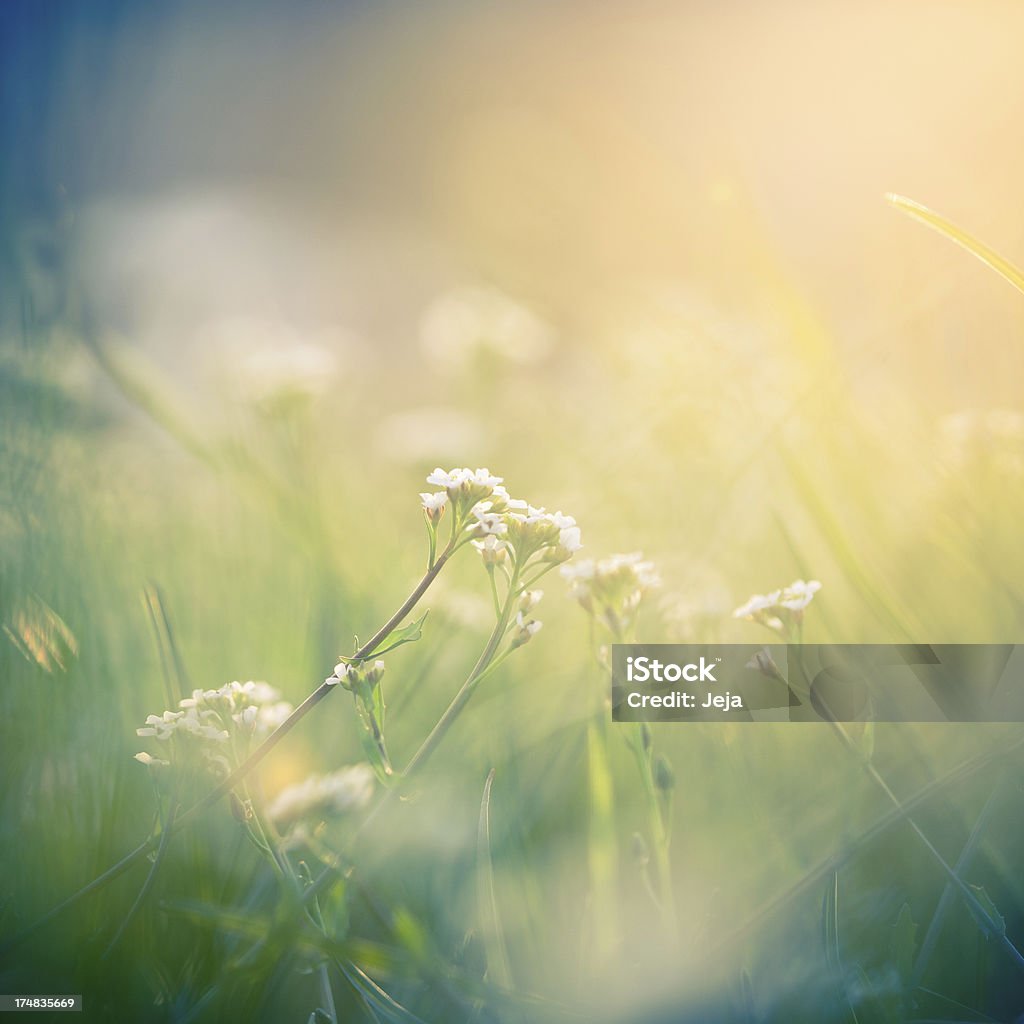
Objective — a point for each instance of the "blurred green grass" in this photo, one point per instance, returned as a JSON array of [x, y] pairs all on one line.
[[727, 421]]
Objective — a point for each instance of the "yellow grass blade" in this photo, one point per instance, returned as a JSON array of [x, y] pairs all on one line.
[[989, 257]]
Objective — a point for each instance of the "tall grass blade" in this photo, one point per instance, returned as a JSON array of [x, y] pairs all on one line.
[[1002, 266], [490, 917]]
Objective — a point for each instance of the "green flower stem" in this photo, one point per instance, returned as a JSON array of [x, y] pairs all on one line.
[[602, 842], [485, 664], [661, 837], [432, 534], [494, 591], [270, 842], [461, 698]]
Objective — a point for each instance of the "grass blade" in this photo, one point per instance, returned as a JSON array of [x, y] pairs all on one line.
[[1002, 266], [494, 939]]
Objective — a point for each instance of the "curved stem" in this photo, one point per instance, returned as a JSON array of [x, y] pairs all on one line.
[[454, 709]]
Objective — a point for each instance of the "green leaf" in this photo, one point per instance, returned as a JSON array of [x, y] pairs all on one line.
[[407, 634], [902, 943], [996, 923], [380, 1003]]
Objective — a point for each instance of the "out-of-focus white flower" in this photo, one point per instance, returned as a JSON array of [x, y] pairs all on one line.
[[779, 609], [270, 716], [989, 438], [213, 716], [465, 323], [298, 371], [466, 608], [415, 435], [799, 594], [271, 363], [757, 603], [611, 588], [151, 762], [324, 796]]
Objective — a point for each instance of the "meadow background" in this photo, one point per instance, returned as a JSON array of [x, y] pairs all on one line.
[[265, 266]]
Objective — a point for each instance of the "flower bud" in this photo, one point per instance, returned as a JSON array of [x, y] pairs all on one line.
[[345, 674], [664, 776], [524, 631], [434, 505], [240, 811], [645, 737]]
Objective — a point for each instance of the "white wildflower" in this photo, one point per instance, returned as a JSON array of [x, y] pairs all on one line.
[[467, 487], [270, 716], [756, 604], [799, 594], [488, 524], [323, 796], [611, 588], [151, 762], [781, 609], [341, 675], [289, 372], [213, 716], [466, 323], [351, 674], [434, 505], [525, 630], [492, 550], [412, 436], [975, 439], [529, 600]]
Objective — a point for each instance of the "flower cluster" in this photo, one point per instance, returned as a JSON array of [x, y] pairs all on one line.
[[466, 324], [994, 438], [323, 796], [234, 711], [465, 487], [782, 609], [500, 526], [612, 588]]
